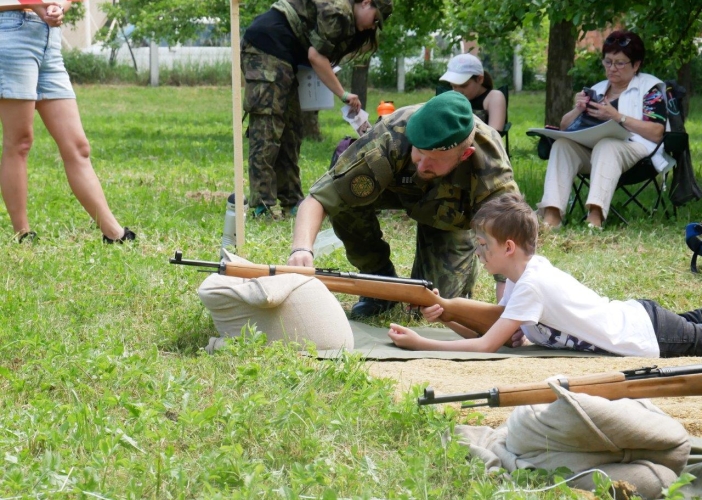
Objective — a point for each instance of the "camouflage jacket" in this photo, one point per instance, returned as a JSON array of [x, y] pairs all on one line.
[[326, 25], [381, 160]]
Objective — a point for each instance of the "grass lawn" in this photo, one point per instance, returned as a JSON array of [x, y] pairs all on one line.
[[104, 389]]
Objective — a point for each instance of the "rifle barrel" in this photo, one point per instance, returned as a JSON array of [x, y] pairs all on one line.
[[178, 259], [655, 383], [430, 398], [257, 270]]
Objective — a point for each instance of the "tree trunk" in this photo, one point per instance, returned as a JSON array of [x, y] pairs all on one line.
[[559, 85], [359, 83], [310, 126], [685, 79]]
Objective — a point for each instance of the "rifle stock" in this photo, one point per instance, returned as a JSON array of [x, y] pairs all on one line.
[[476, 315], [650, 382]]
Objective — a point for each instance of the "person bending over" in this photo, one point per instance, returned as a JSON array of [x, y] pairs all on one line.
[[552, 308], [434, 161], [316, 33]]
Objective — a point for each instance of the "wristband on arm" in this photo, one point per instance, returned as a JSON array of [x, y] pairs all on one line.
[[295, 250]]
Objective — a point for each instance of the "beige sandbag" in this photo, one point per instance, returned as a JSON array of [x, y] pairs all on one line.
[[288, 307], [630, 440]]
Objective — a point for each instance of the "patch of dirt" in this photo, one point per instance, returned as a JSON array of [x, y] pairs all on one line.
[[478, 376], [207, 195]]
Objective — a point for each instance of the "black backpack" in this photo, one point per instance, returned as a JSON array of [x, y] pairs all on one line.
[[684, 187]]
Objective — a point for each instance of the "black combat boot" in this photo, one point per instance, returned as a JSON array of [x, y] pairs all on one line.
[[367, 307]]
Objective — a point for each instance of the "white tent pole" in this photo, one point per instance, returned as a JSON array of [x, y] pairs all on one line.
[[237, 125]]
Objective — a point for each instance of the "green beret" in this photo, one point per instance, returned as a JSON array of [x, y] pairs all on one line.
[[442, 123]]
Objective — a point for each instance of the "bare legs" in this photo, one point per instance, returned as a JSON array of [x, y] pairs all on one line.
[[62, 120], [17, 136]]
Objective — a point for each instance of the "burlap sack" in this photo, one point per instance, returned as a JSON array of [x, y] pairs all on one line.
[[628, 439], [288, 307]]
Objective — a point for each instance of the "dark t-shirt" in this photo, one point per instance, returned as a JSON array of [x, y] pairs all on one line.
[[271, 33], [479, 108]]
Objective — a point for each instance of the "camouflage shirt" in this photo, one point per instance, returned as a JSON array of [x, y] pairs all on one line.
[[327, 25], [381, 160]]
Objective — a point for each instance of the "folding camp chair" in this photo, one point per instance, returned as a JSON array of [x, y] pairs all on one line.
[[634, 181], [505, 130]]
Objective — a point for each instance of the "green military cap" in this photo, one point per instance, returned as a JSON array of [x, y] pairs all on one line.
[[442, 123], [384, 8]]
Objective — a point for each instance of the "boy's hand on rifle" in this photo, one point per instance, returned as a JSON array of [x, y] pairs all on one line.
[[432, 313]]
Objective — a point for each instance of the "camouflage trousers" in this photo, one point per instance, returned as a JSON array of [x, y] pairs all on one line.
[[446, 258], [275, 128]]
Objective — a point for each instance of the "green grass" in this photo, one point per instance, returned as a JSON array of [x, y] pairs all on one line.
[[104, 389]]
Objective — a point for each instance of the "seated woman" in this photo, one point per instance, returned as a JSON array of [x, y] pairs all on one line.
[[466, 75], [634, 100]]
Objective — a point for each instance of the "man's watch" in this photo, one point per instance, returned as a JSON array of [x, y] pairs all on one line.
[[622, 120]]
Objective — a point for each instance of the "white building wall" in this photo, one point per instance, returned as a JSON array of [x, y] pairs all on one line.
[[196, 56], [81, 35]]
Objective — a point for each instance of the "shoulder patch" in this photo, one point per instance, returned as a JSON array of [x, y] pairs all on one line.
[[362, 186]]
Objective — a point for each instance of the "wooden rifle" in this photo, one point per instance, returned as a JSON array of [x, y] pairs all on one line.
[[476, 315], [648, 382]]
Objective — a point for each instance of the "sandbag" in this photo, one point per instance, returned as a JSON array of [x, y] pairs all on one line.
[[288, 307], [629, 440]]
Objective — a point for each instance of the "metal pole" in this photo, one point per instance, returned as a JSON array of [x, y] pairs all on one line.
[[237, 125]]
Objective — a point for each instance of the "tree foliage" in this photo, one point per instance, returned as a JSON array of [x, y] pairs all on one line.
[[667, 28], [411, 25], [177, 21]]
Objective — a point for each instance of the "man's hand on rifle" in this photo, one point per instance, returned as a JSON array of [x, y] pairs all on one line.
[[301, 256]]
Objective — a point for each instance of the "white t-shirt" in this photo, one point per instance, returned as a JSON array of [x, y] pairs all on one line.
[[560, 312]]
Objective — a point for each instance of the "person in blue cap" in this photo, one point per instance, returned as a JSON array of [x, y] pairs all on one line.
[[435, 161]]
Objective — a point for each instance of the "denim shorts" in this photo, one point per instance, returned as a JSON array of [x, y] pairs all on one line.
[[31, 64]]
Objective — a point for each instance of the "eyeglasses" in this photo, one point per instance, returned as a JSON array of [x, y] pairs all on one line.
[[623, 41], [617, 64]]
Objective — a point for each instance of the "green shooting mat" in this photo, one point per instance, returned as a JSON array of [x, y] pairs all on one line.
[[373, 343]]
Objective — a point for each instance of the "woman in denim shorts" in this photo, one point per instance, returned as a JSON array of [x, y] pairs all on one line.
[[32, 76]]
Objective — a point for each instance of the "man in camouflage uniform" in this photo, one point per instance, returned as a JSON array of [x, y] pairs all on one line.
[[317, 33], [435, 161]]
